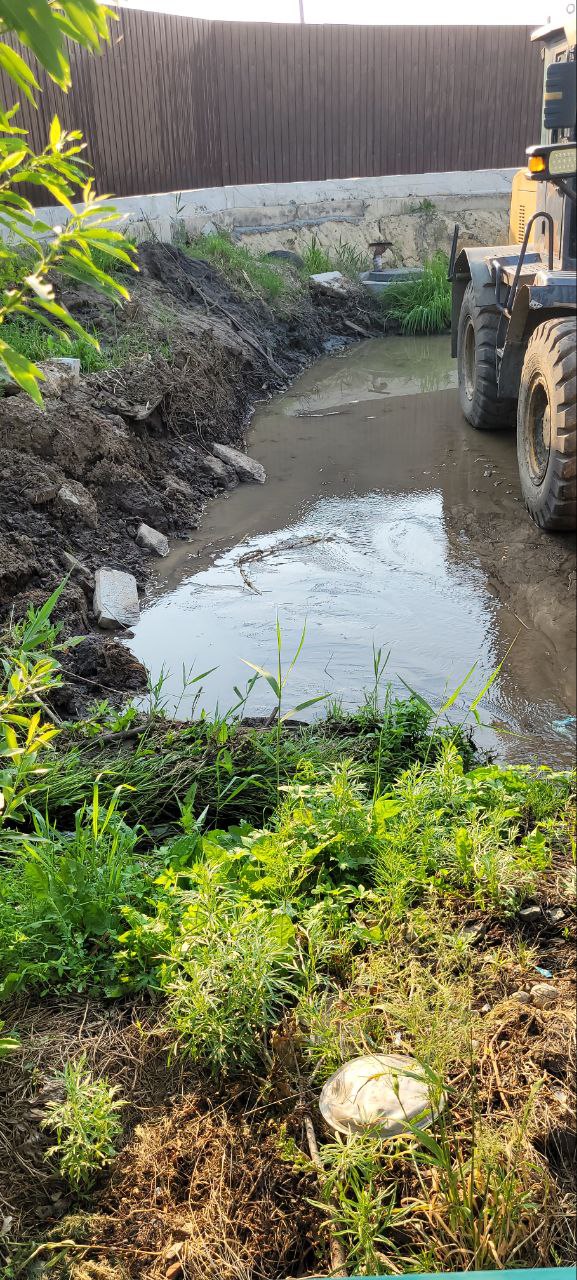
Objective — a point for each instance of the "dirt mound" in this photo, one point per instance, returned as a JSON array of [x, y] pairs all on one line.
[[136, 441]]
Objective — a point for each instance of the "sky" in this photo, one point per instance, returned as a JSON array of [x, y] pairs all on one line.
[[510, 12]]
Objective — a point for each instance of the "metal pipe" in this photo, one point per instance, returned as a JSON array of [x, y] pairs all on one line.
[[513, 290]]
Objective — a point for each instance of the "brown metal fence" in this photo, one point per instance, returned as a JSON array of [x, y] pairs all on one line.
[[177, 103]]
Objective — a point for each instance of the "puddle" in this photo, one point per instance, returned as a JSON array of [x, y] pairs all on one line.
[[363, 530]]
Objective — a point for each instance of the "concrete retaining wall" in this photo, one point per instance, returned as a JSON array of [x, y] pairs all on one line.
[[415, 212]]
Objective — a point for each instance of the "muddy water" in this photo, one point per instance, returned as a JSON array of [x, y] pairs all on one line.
[[386, 522]]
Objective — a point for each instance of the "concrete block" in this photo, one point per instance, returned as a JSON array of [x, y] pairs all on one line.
[[328, 277], [246, 468], [218, 470], [331, 282], [59, 374], [115, 599], [152, 540]]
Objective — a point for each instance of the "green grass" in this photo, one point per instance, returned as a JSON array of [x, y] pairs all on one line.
[[351, 261], [422, 305], [316, 259], [347, 259], [33, 340], [248, 272], [274, 281], [30, 338], [253, 890], [383, 804]]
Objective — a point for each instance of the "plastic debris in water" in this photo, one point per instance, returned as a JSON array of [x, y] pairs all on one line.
[[565, 726], [384, 1091]]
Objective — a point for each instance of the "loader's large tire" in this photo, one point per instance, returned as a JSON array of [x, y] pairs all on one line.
[[476, 344], [547, 425]]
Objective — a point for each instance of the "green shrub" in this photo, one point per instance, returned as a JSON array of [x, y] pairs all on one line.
[[422, 305], [86, 1124], [231, 971]]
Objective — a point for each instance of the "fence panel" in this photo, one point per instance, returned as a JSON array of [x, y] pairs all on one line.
[[176, 103]]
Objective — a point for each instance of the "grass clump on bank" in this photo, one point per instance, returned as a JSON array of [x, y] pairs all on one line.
[[38, 341], [275, 279], [422, 305], [207, 921], [248, 272], [347, 259], [31, 339]]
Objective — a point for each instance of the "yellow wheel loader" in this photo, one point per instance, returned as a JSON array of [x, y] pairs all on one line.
[[515, 306]]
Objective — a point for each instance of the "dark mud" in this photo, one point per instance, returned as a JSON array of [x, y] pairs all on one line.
[[138, 439]]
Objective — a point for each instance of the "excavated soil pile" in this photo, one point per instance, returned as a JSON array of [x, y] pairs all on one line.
[[135, 443]]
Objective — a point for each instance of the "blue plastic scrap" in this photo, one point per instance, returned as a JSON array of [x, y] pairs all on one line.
[[565, 726], [537, 1273]]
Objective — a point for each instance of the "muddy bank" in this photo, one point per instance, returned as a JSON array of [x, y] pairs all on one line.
[[136, 442]]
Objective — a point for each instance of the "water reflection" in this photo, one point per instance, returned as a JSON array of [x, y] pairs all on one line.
[[361, 529]]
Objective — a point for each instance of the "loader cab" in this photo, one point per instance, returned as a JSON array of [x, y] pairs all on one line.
[[558, 128]]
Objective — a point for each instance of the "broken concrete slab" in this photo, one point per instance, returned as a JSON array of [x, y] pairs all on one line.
[[327, 277], [115, 599], [152, 540], [246, 468], [59, 374], [216, 468], [331, 282], [75, 500]]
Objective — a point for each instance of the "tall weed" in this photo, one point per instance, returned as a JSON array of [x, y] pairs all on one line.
[[316, 259], [29, 671], [462, 832], [230, 971], [86, 1124], [422, 305], [62, 898]]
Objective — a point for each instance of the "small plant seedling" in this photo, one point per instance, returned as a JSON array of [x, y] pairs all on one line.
[[424, 206], [8, 1043], [86, 1124], [278, 683]]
